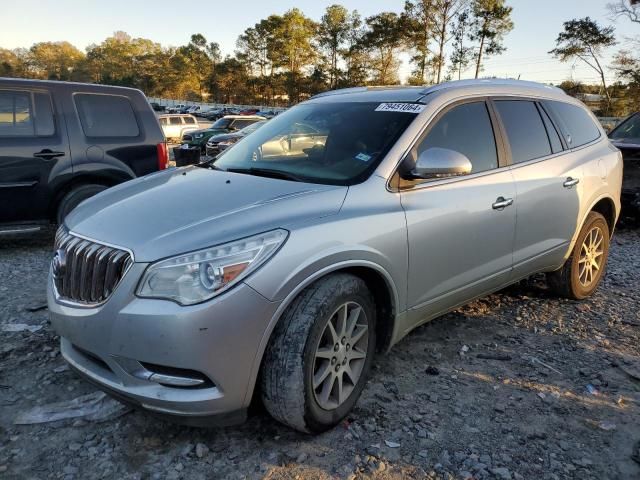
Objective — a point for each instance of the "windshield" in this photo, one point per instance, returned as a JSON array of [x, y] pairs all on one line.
[[628, 130], [222, 123], [333, 143]]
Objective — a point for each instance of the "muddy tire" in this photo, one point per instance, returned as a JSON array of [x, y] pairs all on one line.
[[320, 354], [582, 272]]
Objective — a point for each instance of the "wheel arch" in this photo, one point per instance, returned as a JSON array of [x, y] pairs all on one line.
[[78, 180], [382, 288]]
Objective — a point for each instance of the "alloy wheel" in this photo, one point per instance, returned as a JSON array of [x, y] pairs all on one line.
[[340, 355], [591, 256]]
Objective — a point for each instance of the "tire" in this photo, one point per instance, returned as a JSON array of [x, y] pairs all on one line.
[[73, 198], [290, 360], [572, 281]]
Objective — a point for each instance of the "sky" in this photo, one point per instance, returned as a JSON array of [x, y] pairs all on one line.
[[171, 22]]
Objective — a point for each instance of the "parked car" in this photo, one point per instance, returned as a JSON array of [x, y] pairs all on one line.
[[267, 113], [287, 274], [157, 107], [219, 143], [626, 136], [193, 109], [176, 108], [248, 111], [61, 143], [203, 112], [176, 125], [230, 123], [221, 112]]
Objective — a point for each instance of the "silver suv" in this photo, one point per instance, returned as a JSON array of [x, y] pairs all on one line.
[[280, 271]]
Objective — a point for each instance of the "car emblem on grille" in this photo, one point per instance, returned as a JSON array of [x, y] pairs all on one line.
[[59, 264]]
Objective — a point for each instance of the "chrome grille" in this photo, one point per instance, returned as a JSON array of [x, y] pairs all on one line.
[[84, 271]]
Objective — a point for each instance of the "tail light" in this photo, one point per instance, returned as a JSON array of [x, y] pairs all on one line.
[[163, 156]]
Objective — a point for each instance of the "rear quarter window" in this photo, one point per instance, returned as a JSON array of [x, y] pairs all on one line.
[[579, 127], [189, 120], [106, 115]]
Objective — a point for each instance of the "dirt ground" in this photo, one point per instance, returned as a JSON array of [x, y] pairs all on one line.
[[519, 385]]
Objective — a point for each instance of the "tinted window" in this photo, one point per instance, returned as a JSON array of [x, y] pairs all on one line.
[[222, 123], [628, 130], [466, 129], [189, 120], [163, 121], [526, 133], [175, 121], [43, 114], [16, 118], [106, 116], [554, 136], [581, 129], [242, 123]]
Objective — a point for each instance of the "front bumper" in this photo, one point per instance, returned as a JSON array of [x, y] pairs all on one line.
[[116, 344]]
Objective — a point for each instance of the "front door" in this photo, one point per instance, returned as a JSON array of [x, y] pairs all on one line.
[[31, 145], [460, 229]]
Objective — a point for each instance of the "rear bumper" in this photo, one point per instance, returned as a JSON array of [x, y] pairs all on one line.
[[121, 343]]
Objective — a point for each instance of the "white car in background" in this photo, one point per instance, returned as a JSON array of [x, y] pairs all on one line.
[[175, 125]]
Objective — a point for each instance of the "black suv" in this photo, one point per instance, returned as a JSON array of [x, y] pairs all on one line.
[[61, 143]]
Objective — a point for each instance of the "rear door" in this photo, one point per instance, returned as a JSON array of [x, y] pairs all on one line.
[[113, 132], [548, 185], [33, 150]]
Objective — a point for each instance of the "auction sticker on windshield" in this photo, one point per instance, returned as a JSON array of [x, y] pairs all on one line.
[[400, 107]]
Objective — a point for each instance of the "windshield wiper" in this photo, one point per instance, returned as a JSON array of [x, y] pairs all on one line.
[[267, 172]]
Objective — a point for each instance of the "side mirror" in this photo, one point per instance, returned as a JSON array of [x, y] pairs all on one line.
[[441, 163]]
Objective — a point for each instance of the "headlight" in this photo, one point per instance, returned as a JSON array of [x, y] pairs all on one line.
[[198, 135], [198, 276]]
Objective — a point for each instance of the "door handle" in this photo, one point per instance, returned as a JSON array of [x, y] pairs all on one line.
[[48, 154], [570, 182], [501, 203]]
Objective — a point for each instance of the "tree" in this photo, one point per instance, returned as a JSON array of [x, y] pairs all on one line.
[[13, 63], [418, 26], [54, 60], [585, 40], [355, 52], [445, 11], [384, 39], [333, 32], [625, 8], [461, 55], [491, 22]]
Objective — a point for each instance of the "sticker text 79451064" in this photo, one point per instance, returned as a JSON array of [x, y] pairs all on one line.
[[400, 107]]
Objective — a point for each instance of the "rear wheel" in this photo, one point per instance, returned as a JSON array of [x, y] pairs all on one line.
[[317, 362], [582, 272], [74, 197]]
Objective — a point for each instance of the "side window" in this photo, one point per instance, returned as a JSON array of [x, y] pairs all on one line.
[[189, 120], [526, 132], [175, 121], [466, 129], [163, 121], [554, 136], [16, 114], [45, 125], [106, 115], [580, 127]]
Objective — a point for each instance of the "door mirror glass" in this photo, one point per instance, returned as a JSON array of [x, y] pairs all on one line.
[[439, 162]]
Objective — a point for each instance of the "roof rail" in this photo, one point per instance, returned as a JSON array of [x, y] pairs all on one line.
[[490, 81]]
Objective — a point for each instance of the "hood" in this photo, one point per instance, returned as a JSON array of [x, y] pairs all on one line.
[[211, 131], [225, 136], [185, 209]]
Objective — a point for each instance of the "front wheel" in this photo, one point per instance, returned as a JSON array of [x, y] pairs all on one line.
[[583, 270], [320, 354], [74, 197]]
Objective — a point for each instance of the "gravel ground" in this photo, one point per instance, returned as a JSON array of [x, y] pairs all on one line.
[[519, 385]]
